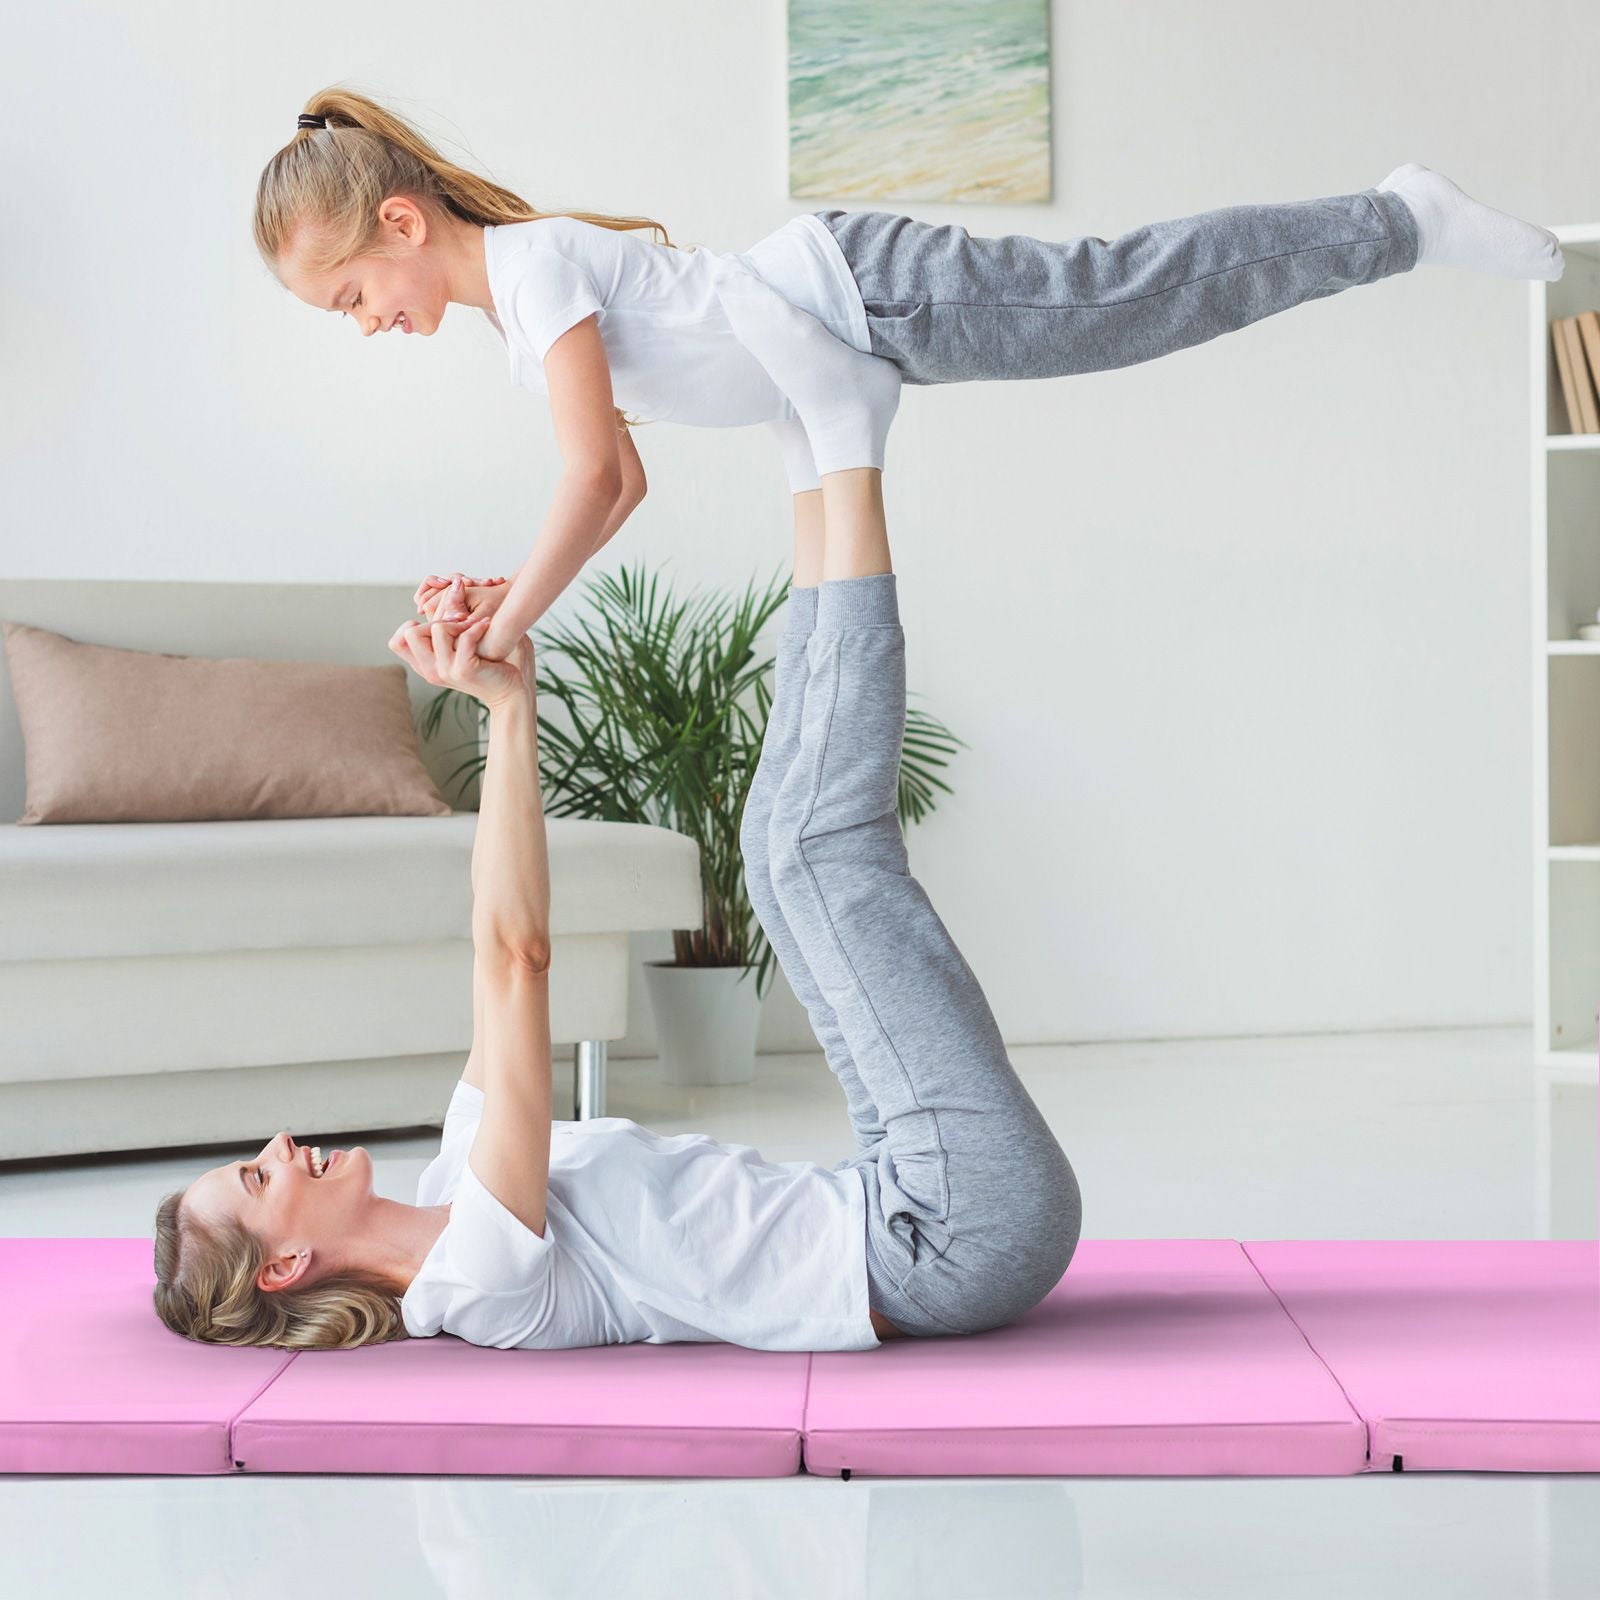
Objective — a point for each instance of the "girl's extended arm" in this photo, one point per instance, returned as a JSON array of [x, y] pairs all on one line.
[[633, 487], [626, 504], [585, 509], [430, 595], [582, 506]]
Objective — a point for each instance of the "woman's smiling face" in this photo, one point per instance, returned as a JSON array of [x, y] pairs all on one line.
[[278, 1197], [402, 285]]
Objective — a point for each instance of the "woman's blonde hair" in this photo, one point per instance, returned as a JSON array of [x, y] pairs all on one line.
[[329, 182], [206, 1290]]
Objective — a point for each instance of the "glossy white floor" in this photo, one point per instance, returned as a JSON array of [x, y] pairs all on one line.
[[1436, 1135]]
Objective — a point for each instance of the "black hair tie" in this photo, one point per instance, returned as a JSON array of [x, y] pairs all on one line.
[[309, 119]]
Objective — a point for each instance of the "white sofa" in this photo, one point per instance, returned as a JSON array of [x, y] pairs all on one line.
[[165, 984]]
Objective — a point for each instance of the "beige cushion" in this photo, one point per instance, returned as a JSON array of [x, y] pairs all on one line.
[[136, 736]]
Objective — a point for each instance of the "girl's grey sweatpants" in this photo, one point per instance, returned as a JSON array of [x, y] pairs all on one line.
[[973, 1210], [946, 307]]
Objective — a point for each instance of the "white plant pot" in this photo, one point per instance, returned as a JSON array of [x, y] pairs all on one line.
[[706, 1021]]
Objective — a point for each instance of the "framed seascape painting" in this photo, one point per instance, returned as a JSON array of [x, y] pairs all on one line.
[[919, 99]]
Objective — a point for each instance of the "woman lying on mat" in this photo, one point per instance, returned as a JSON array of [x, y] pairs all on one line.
[[958, 1212]]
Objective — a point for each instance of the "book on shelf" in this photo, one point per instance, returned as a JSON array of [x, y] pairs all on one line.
[[1577, 349]]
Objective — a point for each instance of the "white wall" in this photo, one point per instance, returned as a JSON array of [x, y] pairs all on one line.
[[1239, 638]]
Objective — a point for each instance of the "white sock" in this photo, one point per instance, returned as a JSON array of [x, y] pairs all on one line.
[[1454, 230], [845, 398]]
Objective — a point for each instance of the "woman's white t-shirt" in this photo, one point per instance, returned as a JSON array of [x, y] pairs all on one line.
[[673, 354], [648, 1238]]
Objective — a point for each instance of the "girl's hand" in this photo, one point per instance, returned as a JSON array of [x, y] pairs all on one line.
[[460, 604], [447, 656], [431, 587]]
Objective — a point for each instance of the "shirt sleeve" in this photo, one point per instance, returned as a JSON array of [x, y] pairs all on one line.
[[466, 1103], [512, 1254], [509, 1268], [550, 293], [461, 1118]]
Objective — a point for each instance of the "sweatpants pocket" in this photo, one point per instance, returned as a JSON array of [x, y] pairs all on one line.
[[920, 1166], [897, 330]]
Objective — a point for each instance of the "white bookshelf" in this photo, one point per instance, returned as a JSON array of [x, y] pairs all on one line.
[[1565, 480]]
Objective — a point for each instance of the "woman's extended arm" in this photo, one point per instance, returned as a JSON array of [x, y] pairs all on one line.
[[510, 1152], [510, 862], [511, 955]]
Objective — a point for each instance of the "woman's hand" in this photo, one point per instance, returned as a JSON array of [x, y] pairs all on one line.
[[446, 655], [480, 596]]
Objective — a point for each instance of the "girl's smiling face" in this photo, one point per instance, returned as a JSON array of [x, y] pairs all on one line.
[[403, 284]]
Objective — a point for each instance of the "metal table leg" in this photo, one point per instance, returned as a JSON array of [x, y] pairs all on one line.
[[588, 1079]]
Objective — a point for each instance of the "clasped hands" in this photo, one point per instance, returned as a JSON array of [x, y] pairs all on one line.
[[443, 649], [478, 597]]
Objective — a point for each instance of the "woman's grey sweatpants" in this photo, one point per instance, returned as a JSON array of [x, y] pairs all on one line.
[[946, 307], [973, 1210]]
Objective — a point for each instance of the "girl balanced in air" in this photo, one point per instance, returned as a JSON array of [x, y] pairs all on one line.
[[809, 332]]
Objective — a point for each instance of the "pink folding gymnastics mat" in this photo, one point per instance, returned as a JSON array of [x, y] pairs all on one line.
[[1176, 1357]]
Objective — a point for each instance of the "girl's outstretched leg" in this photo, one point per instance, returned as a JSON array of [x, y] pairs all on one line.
[[946, 307]]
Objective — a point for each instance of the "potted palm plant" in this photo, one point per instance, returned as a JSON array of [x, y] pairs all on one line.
[[663, 706]]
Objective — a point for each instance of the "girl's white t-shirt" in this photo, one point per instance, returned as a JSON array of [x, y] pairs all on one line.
[[648, 1238], [673, 354]]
